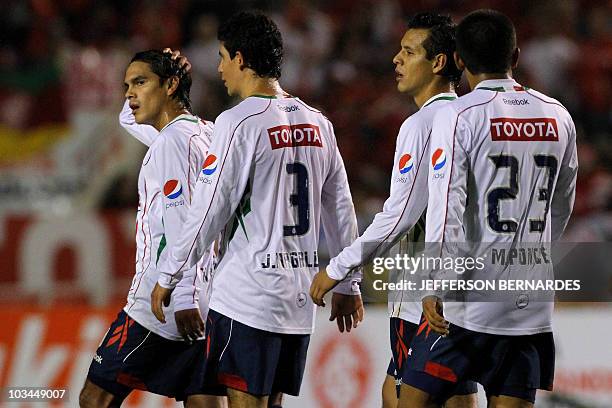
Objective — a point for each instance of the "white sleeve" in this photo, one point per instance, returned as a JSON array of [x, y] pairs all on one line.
[[447, 180], [565, 189], [403, 208], [173, 171], [339, 221], [145, 133], [215, 199]]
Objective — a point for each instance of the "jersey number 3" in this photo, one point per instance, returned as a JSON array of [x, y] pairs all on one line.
[[510, 192], [299, 199]]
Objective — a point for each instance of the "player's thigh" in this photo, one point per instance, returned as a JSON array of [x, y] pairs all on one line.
[[205, 401], [389, 392], [462, 401], [275, 400], [504, 401], [239, 399], [411, 397], [93, 396]]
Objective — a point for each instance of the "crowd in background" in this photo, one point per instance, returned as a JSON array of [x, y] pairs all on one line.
[[58, 56]]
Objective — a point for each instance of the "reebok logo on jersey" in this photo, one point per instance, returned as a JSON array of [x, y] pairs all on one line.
[[524, 130], [438, 159], [210, 165], [303, 134], [405, 163], [172, 189]]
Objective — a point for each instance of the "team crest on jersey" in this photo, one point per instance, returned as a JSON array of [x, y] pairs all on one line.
[[438, 159], [406, 163], [173, 189], [210, 165]]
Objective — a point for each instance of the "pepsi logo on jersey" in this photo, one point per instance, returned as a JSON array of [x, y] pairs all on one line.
[[210, 165], [406, 163], [524, 130], [172, 189], [438, 160]]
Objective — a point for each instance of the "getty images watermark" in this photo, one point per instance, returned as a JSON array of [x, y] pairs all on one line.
[[480, 272]]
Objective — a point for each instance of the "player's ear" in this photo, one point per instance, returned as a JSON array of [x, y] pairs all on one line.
[[173, 83], [515, 57], [240, 60], [438, 63], [458, 61]]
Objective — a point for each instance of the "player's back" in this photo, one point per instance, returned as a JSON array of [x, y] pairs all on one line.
[[504, 169], [516, 141], [269, 255]]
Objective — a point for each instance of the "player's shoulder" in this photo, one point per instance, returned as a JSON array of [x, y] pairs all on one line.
[[182, 131], [415, 122], [546, 99], [474, 99], [248, 108]]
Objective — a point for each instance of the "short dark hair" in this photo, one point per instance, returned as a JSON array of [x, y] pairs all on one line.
[[257, 38], [486, 41], [165, 67], [441, 40]]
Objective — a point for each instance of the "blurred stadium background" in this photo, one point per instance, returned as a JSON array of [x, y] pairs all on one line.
[[68, 172]]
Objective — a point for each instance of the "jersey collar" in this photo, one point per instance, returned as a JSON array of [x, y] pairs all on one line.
[[444, 96], [184, 116], [501, 85]]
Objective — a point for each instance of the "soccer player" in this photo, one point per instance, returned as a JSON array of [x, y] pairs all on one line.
[[138, 352], [426, 71], [272, 178], [503, 172]]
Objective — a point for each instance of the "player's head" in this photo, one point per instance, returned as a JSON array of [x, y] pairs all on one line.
[[486, 43], [152, 81], [426, 53], [250, 46]]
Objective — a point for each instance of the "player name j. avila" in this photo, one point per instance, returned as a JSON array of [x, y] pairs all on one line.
[[524, 130], [303, 134]]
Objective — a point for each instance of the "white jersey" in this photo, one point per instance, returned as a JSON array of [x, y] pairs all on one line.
[[165, 186], [504, 170], [402, 210], [273, 176]]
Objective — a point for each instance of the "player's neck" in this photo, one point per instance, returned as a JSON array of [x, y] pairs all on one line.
[[434, 88], [168, 114], [262, 87], [475, 79]]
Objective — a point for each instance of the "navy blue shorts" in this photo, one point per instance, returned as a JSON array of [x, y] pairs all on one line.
[[401, 334], [250, 360], [514, 366], [132, 357]]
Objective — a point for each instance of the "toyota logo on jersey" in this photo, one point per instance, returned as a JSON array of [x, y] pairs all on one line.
[[210, 165], [405, 163], [438, 159], [172, 189]]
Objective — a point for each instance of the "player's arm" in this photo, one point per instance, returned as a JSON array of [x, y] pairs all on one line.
[[565, 189], [401, 211], [340, 228], [447, 185], [145, 133], [172, 165], [215, 199]]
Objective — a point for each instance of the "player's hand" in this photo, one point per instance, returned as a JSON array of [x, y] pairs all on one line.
[[321, 284], [189, 324], [347, 310], [182, 60], [160, 297], [434, 313]]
